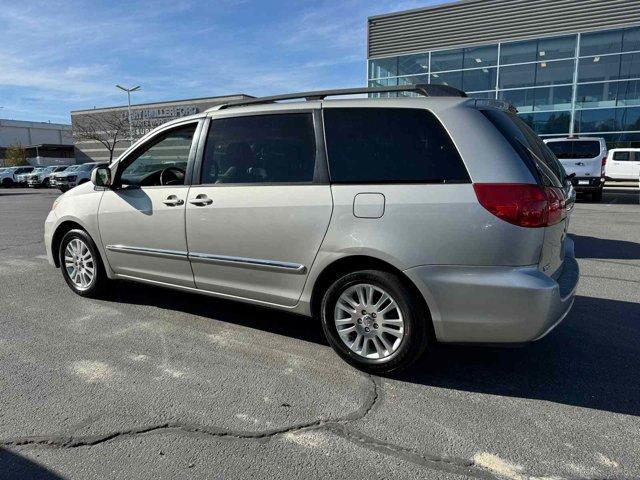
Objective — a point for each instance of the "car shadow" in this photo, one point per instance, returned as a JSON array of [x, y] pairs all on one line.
[[591, 360], [238, 313], [593, 247], [15, 466]]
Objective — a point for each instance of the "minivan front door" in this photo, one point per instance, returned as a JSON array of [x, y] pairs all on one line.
[[141, 218], [256, 221]]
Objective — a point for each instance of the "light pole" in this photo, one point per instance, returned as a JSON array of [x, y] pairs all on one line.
[[129, 90]]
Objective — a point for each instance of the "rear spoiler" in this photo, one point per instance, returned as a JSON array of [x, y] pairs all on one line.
[[491, 102]]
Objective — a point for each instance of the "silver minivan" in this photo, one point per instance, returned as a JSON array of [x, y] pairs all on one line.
[[399, 222]]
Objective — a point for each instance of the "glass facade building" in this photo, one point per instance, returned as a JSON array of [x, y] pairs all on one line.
[[582, 84]]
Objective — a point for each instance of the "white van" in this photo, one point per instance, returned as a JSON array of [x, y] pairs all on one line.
[[623, 164], [586, 158]]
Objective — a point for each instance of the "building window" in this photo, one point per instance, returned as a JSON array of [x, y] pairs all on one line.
[[413, 64], [537, 77], [446, 60], [383, 67], [486, 56]]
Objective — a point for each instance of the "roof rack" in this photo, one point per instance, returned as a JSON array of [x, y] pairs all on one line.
[[427, 90]]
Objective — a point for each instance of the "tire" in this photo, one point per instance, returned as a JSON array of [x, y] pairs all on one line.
[[393, 350], [45, 183], [79, 241], [597, 196], [7, 182], [63, 189]]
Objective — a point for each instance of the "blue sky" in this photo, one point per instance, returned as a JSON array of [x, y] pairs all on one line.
[[61, 56]]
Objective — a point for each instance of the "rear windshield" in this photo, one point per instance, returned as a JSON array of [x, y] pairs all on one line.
[[390, 145], [541, 161], [575, 148]]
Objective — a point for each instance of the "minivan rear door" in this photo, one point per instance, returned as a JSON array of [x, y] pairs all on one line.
[[260, 205], [582, 157]]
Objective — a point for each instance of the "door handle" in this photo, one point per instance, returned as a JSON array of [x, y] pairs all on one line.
[[201, 200], [173, 201]]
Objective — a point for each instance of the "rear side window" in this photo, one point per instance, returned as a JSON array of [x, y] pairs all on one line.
[[390, 145], [274, 148], [622, 156], [541, 161], [575, 149]]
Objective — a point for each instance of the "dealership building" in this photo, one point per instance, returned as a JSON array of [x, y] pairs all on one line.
[[111, 123], [570, 67], [45, 143]]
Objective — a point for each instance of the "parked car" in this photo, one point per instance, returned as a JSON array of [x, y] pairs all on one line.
[[42, 177], [69, 178], [53, 178], [398, 222], [9, 177], [623, 164], [584, 158]]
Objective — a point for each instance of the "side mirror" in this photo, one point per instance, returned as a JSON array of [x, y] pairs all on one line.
[[101, 177]]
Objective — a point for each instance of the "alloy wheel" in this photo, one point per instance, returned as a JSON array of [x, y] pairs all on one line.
[[369, 321], [79, 264]]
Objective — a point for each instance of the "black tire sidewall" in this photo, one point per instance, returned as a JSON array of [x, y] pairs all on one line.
[[99, 274], [414, 339]]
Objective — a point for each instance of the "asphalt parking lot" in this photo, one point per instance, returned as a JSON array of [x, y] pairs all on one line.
[[152, 383]]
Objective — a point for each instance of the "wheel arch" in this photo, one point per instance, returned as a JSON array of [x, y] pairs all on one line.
[[60, 232], [353, 263]]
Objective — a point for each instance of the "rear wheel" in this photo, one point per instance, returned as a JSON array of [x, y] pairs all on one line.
[[80, 263], [374, 322], [7, 182]]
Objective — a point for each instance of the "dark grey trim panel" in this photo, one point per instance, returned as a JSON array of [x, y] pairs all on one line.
[[486, 21], [217, 259], [248, 262]]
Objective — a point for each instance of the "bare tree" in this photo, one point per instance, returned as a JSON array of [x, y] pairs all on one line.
[[106, 128]]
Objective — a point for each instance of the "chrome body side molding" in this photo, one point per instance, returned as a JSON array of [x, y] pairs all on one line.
[[153, 252], [248, 262], [217, 259]]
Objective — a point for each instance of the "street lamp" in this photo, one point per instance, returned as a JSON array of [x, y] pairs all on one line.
[[129, 90]]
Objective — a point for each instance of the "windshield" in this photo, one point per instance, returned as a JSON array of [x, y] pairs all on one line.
[[575, 149]]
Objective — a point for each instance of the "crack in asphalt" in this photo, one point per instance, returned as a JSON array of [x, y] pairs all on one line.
[[338, 427], [70, 441]]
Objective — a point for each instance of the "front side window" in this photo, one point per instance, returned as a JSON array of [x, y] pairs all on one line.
[[163, 161], [274, 148], [390, 145]]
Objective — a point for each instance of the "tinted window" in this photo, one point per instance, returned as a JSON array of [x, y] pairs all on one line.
[[575, 149], [386, 145], [260, 149], [537, 157], [622, 156], [163, 161]]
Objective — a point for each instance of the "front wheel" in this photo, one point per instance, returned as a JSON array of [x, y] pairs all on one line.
[[374, 322], [80, 263]]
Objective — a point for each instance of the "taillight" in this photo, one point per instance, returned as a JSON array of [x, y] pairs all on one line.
[[525, 205], [604, 163]]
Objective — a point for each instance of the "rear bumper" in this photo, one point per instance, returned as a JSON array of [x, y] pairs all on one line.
[[593, 184], [496, 304]]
